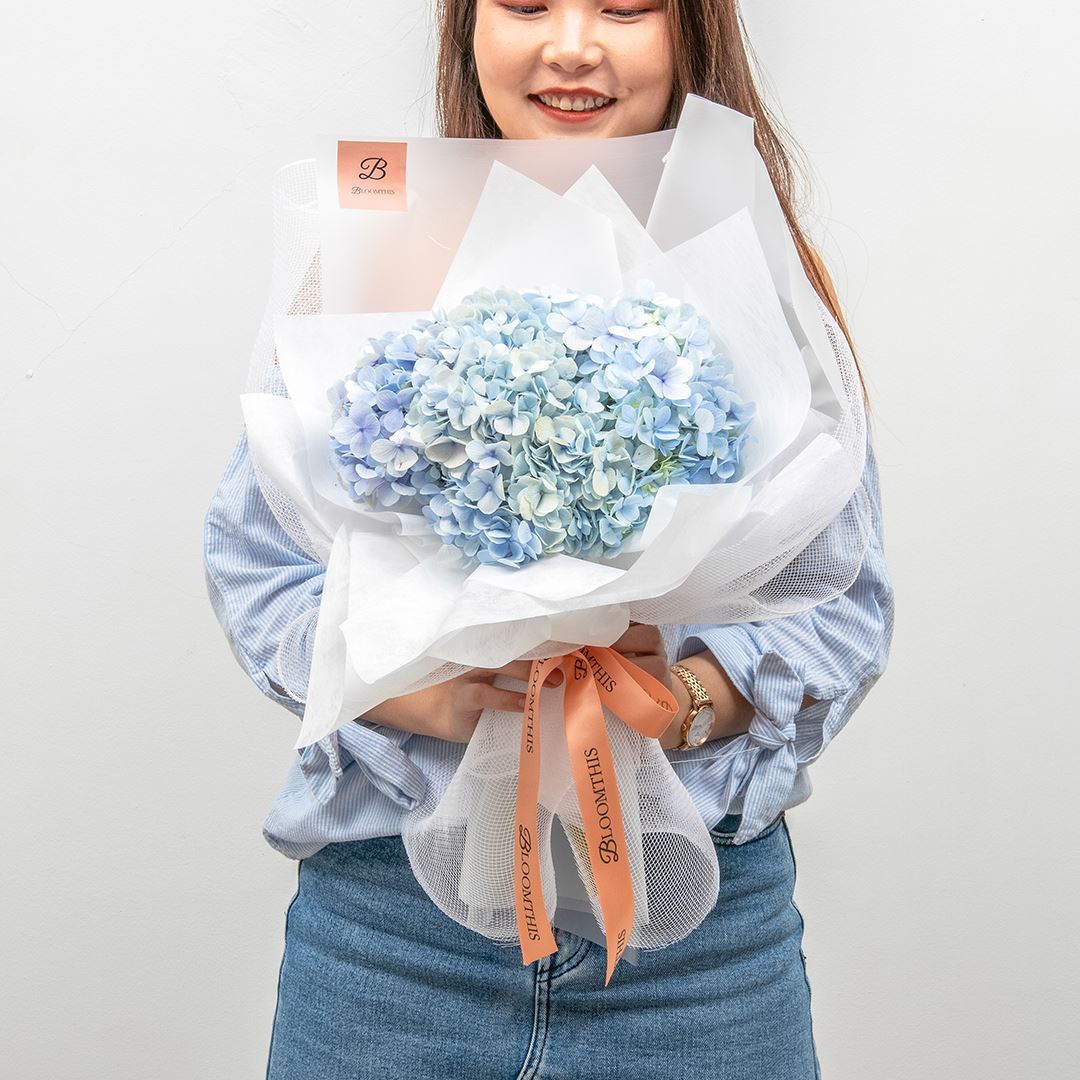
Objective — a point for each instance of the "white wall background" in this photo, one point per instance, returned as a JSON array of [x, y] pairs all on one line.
[[142, 913]]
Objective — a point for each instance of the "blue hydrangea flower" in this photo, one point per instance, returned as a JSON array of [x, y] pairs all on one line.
[[522, 424]]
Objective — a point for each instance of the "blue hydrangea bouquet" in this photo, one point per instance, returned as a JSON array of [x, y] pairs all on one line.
[[541, 421], [507, 434]]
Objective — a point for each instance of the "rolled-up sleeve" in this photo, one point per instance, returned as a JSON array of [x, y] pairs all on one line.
[[833, 652], [265, 591]]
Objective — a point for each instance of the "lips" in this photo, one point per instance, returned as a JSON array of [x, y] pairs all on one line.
[[570, 116]]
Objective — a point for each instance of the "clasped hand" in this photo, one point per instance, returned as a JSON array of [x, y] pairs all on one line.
[[451, 709]]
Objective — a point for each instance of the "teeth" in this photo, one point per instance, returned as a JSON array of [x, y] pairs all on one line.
[[577, 104]]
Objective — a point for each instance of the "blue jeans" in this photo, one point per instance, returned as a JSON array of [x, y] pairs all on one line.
[[376, 981]]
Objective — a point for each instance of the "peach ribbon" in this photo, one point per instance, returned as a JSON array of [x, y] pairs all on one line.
[[593, 677]]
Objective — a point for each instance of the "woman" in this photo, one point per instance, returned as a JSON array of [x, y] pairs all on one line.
[[375, 980]]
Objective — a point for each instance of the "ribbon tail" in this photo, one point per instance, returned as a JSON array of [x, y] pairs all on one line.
[[534, 929], [598, 797]]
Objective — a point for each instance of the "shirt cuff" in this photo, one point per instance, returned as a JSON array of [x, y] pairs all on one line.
[[375, 750], [760, 766]]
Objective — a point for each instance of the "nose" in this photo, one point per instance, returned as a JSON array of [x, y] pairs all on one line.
[[572, 42]]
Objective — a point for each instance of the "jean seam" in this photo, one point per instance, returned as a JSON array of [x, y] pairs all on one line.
[[281, 969], [572, 961], [802, 959], [541, 1013]]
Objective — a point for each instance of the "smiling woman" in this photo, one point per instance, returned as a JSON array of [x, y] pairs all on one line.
[[376, 980], [573, 67]]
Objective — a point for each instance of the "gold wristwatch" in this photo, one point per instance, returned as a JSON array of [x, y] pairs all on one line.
[[699, 720]]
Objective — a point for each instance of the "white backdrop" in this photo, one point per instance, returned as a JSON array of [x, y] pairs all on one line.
[[142, 913]]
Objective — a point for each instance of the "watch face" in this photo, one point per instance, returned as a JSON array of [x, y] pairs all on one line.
[[700, 726]]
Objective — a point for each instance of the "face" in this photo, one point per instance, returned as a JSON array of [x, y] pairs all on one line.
[[568, 51]]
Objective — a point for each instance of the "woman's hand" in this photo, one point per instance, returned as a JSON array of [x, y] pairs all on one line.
[[451, 709], [643, 644], [733, 713]]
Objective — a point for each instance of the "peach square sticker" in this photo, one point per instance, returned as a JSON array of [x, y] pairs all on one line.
[[371, 175]]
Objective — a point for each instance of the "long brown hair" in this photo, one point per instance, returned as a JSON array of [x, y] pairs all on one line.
[[712, 58]]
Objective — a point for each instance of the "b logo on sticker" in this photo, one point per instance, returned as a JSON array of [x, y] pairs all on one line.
[[371, 175], [372, 168]]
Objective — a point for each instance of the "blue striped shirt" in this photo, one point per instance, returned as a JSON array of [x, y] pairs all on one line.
[[359, 781]]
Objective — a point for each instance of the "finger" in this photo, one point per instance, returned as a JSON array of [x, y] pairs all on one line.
[[481, 695]]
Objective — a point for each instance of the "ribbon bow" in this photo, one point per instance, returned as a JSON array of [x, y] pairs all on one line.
[[593, 677], [778, 695]]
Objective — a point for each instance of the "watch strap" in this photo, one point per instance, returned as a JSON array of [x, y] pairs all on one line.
[[699, 698], [694, 686]]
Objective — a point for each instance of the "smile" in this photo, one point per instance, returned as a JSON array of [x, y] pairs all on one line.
[[577, 114]]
